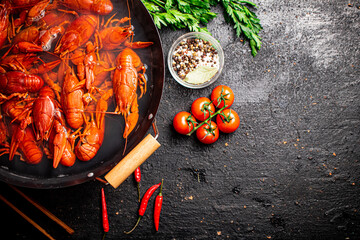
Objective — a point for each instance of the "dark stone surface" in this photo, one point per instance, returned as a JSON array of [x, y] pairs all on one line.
[[291, 171]]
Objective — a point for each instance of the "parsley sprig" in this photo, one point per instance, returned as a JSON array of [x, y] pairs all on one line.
[[178, 14], [245, 21], [191, 14]]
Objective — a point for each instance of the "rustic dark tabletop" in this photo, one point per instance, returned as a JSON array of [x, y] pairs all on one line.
[[291, 171]]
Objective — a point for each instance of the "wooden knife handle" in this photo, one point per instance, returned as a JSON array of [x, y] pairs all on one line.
[[133, 160]]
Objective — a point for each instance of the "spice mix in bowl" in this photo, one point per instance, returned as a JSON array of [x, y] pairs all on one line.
[[195, 60]]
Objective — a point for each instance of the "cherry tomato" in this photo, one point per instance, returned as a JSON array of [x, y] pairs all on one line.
[[229, 123], [222, 94], [201, 108], [208, 133], [184, 122]]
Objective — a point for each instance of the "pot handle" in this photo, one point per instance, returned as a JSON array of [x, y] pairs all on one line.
[[133, 160]]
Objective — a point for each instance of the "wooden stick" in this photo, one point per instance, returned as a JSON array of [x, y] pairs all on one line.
[[45, 211], [26, 217]]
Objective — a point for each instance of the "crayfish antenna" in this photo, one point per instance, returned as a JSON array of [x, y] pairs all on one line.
[[125, 147], [128, 7]]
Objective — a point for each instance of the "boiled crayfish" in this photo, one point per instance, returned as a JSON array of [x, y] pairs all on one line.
[[101, 7], [126, 79], [63, 62], [20, 82], [90, 143], [72, 100], [30, 147], [78, 33]]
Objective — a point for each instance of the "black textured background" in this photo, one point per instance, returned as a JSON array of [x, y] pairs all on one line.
[[291, 171]]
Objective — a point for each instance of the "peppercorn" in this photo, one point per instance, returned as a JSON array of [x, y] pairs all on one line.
[[192, 53]]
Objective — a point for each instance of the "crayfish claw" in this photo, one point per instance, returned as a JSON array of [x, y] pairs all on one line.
[[132, 118]]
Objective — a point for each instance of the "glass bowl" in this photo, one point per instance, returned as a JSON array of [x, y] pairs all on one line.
[[196, 35]]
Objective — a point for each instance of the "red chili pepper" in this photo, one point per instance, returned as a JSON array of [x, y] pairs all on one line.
[[158, 204], [137, 175], [105, 219], [144, 203]]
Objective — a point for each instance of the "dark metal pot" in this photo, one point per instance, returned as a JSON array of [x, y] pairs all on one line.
[[43, 175]]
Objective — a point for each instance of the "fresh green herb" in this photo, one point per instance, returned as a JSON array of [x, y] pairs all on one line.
[[178, 14], [190, 14], [244, 21]]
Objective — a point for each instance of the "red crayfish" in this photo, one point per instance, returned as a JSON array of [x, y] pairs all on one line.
[[127, 77], [62, 62]]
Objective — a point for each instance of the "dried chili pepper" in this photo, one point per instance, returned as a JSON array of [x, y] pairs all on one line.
[[143, 204], [158, 204], [105, 219], [137, 174]]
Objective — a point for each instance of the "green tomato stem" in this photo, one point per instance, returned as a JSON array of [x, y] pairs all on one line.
[[211, 116]]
